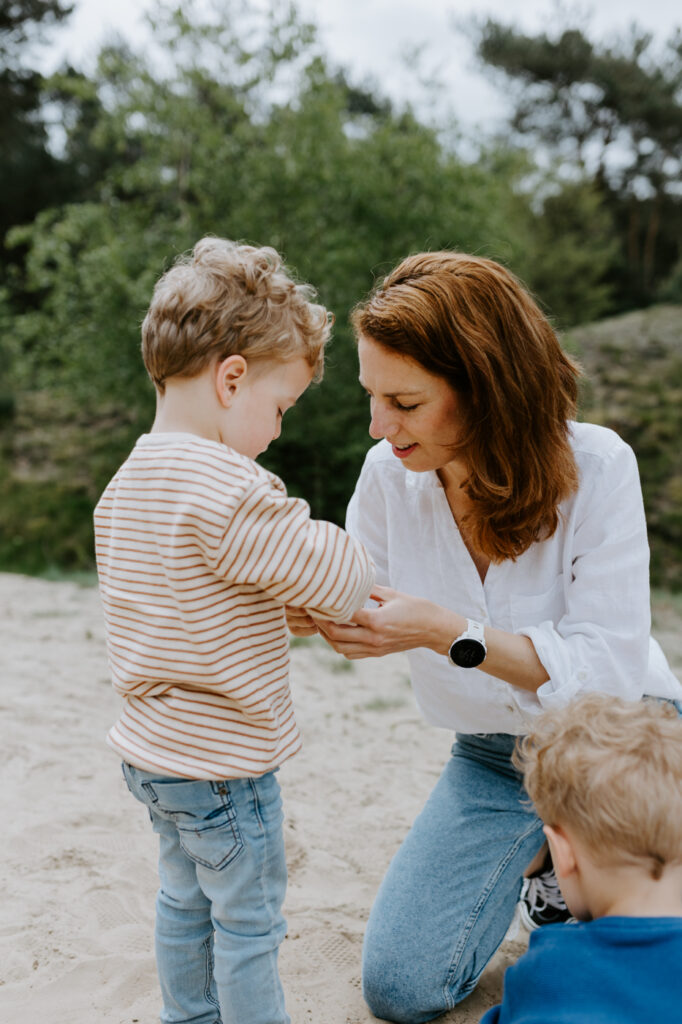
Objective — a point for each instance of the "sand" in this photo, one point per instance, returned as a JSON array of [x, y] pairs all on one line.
[[78, 871]]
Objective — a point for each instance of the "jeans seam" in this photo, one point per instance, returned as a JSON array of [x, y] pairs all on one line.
[[274, 973], [256, 805], [208, 952], [473, 918]]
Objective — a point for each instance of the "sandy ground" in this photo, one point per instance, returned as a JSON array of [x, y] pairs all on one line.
[[78, 871]]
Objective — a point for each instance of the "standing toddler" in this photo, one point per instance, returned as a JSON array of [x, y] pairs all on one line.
[[199, 550]]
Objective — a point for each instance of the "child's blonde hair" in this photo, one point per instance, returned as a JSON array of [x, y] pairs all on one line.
[[224, 299], [611, 770]]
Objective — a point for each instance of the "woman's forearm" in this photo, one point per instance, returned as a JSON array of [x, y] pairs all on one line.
[[509, 657], [403, 622]]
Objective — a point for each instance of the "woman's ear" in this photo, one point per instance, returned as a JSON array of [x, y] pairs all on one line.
[[562, 850], [230, 374]]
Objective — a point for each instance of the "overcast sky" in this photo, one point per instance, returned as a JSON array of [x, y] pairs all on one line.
[[370, 37]]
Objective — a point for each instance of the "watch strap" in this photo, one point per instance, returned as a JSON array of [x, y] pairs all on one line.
[[474, 631]]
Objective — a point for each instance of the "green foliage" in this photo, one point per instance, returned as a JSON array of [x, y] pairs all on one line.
[[633, 384], [57, 460], [671, 288], [237, 127], [20, 18], [339, 182], [613, 111], [30, 176], [41, 523], [569, 251], [91, 270], [576, 93]]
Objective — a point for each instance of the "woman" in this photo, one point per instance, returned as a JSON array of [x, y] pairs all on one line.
[[519, 536]]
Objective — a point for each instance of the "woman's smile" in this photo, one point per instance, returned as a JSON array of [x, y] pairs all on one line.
[[402, 451]]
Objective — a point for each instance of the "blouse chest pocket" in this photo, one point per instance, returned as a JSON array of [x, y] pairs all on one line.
[[532, 609]]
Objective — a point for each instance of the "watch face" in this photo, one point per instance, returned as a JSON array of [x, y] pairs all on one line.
[[467, 653]]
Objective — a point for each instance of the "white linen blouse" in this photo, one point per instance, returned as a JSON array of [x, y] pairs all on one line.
[[581, 596]]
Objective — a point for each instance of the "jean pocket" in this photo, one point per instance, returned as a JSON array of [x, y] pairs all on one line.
[[204, 816]]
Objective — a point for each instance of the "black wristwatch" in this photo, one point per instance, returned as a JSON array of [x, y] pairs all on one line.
[[468, 649]]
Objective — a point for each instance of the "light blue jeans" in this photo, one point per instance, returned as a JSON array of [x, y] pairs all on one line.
[[450, 892], [223, 877]]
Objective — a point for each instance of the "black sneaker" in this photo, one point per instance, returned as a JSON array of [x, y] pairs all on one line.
[[541, 901]]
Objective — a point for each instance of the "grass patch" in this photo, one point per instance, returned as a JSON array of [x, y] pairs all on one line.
[[341, 665], [666, 608], [82, 577], [382, 704], [306, 641], [667, 599]]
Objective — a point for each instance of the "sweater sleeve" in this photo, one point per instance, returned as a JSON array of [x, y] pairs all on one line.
[[272, 543], [601, 641]]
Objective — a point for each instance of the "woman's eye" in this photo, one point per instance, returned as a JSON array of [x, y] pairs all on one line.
[[404, 408]]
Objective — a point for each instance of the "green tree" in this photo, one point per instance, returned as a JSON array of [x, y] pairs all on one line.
[[30, 175], [611, 112], [238, 128], [570, 248]]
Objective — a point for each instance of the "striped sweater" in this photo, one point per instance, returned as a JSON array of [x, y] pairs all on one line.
[[198, 551]]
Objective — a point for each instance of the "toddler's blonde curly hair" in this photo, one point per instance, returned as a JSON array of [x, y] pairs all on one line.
[[226, 298]]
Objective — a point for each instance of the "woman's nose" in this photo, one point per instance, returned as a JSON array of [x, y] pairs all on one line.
[[380, 424]]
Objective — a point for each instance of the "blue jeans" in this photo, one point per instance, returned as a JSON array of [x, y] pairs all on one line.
[[223, 877], [450, 892]]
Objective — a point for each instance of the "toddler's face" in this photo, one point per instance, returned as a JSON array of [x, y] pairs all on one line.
[[264, 396]]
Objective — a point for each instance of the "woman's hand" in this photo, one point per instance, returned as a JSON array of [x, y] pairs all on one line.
[[403, 622], [299, 622], [400, 623]]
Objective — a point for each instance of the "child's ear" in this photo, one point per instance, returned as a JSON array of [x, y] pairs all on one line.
[[230, 374], [561, 848]]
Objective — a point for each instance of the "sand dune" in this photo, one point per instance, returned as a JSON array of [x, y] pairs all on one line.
[[78, 872]]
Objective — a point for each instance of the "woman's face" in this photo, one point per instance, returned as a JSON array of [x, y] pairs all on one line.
[[415, 410]]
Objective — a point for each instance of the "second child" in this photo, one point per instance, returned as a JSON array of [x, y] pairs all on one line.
[[605, 775]]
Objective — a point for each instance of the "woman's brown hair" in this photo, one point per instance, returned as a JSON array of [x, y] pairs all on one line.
[[471, 322]]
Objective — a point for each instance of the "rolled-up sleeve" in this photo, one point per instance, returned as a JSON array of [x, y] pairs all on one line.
[[601, 641]]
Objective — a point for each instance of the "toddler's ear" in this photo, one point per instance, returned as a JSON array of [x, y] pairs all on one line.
[[230, 374], [562, 850]]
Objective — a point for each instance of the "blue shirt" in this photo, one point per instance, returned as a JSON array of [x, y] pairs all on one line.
[[615, 970]]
